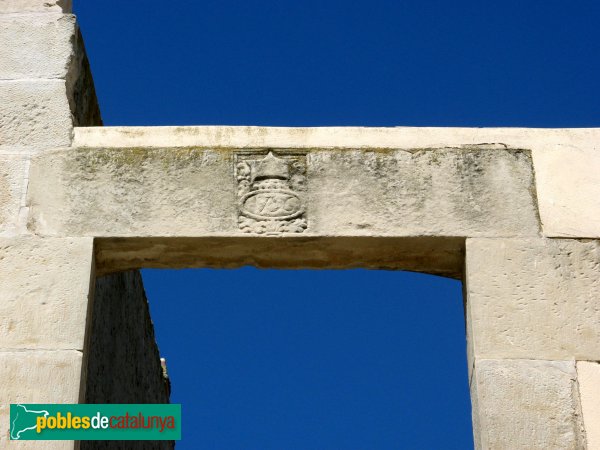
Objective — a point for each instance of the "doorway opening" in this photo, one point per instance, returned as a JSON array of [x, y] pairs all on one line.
[[346, 359]]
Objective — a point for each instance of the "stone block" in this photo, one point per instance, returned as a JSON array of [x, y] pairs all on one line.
[[466, 191], [14, 171], [526, 405], [44, 291], [140, 192], [34, 115], [133, 191], [533, 298], [36, 45], [37, 377], [568, 189], [20, 6], [588, 376]]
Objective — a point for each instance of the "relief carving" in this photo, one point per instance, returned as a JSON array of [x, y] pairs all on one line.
[[270, 191]]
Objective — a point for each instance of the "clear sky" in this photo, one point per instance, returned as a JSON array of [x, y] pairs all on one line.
[[346, 359]]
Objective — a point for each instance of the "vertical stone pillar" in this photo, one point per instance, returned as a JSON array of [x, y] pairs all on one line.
[[533, 312], [45, 286], [45, 282]]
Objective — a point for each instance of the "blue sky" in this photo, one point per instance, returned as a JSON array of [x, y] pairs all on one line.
[[348, 359]]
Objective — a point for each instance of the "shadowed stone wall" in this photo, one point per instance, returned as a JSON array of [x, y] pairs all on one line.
[[123, 363]]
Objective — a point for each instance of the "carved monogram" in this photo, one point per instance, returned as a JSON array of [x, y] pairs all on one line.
[[270, 192]]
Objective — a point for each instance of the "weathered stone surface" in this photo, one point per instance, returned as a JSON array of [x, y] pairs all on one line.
[[568, 188], [588, 376], [19, 6], [34, 115], [14, 171], [37, 377], [334, 137], [44, 289], [533, 298], [36, 45], [524, 404], [123, 362], [192, 192], [133, 191], [449, 192]]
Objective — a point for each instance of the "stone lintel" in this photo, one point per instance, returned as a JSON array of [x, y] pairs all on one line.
[[566, 161], [196, 192]]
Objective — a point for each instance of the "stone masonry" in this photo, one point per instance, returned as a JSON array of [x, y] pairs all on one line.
[[514, 213]]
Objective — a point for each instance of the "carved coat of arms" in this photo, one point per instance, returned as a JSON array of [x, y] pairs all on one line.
[[270, 192]]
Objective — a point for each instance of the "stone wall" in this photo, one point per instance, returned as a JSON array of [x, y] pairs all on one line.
[[46, 88], [514, 212], [123, 363], [46, 283], [533, 315]]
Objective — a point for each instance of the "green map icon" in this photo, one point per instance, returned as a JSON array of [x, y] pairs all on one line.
[[23, 419]]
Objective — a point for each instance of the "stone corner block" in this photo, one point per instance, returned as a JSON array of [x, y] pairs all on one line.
[[526, 404], [568, 189], [533, 299], [44, 286], [36, 45], [34, 114], [25, 6]]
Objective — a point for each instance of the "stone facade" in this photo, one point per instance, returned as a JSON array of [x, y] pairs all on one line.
[[513, 212]]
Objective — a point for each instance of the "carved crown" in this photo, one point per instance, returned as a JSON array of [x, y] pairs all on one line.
[[272, 167]]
